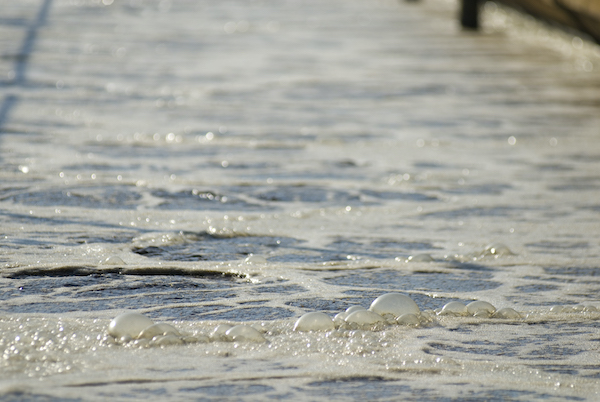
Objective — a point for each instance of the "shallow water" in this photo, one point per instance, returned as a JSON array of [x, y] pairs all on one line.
[[250, 162]]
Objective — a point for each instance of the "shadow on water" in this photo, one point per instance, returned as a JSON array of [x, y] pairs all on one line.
[[29, 41], [21, 62], [7, 104]]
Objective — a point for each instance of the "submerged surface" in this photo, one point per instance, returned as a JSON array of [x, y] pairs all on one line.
[[226, 168]]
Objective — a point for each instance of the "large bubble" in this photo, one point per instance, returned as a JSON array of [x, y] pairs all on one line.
[[128, 325], [455, 308], [507, 313], [168, 340], [481, 309], [420, 258], [497, 249], [159, 329], [352, 309], [395, 304], [340, 318], [244, 333], [409, 320], [314, 322], [219, 333]]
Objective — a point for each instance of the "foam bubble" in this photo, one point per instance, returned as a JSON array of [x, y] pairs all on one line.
[[159, 329], [141, 343], [196, 339], [244, 333], [352, 309], [255, 260], [481, 309], [128, 325], [576, 309], [340, 318], [394, 303], [497, 249], [409, 320], [314, 322], [219, 333], [167, 340], [455, 308], [572, 309], [113, 260], [420, 258], [364, 317], [427, 316], [507, 313]]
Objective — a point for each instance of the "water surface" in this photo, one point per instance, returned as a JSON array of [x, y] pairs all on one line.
[[243, 162]]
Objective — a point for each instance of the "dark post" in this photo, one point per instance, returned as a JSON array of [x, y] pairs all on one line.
[[469, 14]]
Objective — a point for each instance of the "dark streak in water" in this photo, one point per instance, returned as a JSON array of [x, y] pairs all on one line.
[[88, 270]]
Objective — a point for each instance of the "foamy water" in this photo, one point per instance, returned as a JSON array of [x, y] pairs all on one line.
[[239, 174]]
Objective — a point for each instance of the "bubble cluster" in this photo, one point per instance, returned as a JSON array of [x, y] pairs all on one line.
[[573, 309], [340, 318], [477, 308], [131, 326], [386, 310]]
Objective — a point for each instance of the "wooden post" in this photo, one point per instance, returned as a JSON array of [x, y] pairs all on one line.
[[469, 14]]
